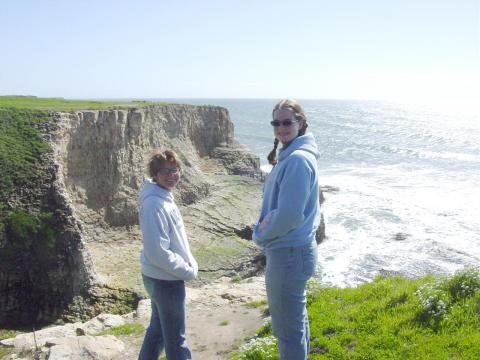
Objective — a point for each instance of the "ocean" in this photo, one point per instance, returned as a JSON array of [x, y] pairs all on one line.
[[401, 183]]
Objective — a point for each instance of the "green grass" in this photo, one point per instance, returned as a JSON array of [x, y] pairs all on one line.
[[256, 304], [25, 228], [236, 279], [4, 352], [224, 323], [393, 318], [124, 330], [21, 148], [7, 334], [60, 104]]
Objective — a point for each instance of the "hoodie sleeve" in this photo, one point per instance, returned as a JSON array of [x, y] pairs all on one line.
[[294, 191], [156, 243]]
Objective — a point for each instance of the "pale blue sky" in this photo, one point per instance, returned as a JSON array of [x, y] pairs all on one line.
[[381, 49]]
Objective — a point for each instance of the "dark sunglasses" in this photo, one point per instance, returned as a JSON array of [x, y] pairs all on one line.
[[168, 171], [286, 123]]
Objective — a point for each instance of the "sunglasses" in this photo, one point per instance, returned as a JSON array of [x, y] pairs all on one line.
[[286, 123], [168, 171]]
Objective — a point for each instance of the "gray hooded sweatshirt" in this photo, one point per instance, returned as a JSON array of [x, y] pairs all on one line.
[[166, 254]]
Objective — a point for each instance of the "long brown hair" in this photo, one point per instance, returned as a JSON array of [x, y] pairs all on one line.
[[297, 110]]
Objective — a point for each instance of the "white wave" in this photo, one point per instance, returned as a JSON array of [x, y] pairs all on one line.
[[450, 156], [266, 168]]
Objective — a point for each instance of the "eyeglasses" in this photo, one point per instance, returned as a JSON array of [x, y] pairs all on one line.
[[168, 171], [286, 123]]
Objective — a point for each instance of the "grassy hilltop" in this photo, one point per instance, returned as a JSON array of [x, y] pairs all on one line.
[[60, 104]]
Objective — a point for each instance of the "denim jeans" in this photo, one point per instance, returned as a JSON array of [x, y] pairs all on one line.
[[287, 273], [167, 323]]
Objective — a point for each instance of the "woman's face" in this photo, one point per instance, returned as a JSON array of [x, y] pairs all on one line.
[[168, 176], [287, 126]]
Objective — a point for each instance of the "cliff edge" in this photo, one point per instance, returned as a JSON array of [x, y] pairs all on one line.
[[80, 256]]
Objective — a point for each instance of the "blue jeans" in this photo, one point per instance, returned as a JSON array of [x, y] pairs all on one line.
[[167, 323], [287, 273]]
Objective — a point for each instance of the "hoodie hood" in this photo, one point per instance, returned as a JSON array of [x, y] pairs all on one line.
[[151, 188], [305, 142]]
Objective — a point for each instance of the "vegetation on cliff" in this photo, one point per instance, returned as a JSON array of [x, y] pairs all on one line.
[[60, 104], [389, 318], [21, 144], [38, 246], [21, 147]]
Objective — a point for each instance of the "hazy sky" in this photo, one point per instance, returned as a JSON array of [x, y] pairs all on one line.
[[354, 49]]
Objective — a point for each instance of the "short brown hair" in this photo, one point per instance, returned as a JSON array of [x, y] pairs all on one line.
[[158, 160]]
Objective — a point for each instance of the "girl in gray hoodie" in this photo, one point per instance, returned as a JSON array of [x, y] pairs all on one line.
[[166, 260]]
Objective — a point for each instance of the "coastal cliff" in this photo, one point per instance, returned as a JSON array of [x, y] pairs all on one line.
[[69, 248]]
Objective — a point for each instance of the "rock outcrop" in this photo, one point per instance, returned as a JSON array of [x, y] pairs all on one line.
[[89, 186], [103, 154]]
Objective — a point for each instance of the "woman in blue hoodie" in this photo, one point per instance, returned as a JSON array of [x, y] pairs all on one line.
[[286, 227], [166, 260]]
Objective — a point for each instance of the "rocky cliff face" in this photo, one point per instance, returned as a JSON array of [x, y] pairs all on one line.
[[103, 153], [92, 178], [43, 260]]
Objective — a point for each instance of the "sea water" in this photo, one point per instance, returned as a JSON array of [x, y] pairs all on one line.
[[401, 183]]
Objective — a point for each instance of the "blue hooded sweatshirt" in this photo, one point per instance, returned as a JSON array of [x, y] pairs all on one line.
[[291, 209], [166, 253]]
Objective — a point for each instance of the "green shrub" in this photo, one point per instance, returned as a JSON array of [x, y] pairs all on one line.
[[236, 279], [25, 229], [463, 284], [259, 348], [437, 298], [434, 301]]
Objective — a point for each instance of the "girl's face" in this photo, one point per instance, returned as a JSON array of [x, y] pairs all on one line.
[[285, 126], [168, 176]]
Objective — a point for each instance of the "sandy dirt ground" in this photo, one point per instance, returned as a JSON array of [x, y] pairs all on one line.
[[220, 317]]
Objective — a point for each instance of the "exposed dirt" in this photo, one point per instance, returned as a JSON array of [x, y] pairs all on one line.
[[220, 316]]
